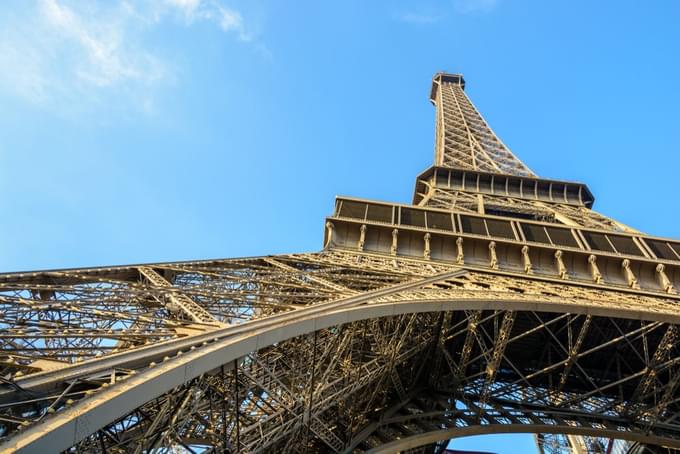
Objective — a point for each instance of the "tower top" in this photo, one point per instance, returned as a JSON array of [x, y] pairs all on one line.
[[463, 139], [445, 77]]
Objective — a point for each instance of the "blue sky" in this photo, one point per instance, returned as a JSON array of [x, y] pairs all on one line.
[[185, 129]]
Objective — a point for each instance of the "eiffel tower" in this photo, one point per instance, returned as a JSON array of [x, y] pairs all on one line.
[[496, 302]]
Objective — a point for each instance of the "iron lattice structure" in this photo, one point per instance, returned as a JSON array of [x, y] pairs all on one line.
[[496, 302]]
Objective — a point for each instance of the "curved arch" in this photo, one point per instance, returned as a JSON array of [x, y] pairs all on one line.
[[460, 432], [67, 428]]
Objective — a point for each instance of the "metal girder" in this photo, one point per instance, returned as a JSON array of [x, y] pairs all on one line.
[[501, 339], [501, 303], [228, 336], [573, 351], [661, 355], [345, 350], [178, 301]]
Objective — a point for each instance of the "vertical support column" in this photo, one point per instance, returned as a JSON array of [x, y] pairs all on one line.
[[500, 343], [460, 256], [362, 237], [330, 228], [395, 237], [307, 415], [630, 276], [473, 318], [223, 395], [238, 405], [527, 260], [594, 270], [493, 259], [665, 283], [426, 250], [561, 269]]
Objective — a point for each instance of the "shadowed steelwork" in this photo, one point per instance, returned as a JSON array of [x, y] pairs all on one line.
[[497, 302]]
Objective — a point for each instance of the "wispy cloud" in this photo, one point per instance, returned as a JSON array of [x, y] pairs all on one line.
[[67, 50], [229, 20], [106, 57]]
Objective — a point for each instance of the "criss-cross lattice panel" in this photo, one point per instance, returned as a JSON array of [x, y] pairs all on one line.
[[464, 139], [329, 352]]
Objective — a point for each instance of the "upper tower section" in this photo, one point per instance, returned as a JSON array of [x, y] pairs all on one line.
[[463, 138]]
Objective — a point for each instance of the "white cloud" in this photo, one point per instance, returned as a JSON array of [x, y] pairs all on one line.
[[232, 20], [188, 6], [68, 51], [107, 57], [229, 20]]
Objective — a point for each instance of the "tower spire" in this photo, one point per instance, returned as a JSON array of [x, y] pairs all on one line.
[[463, 138]]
